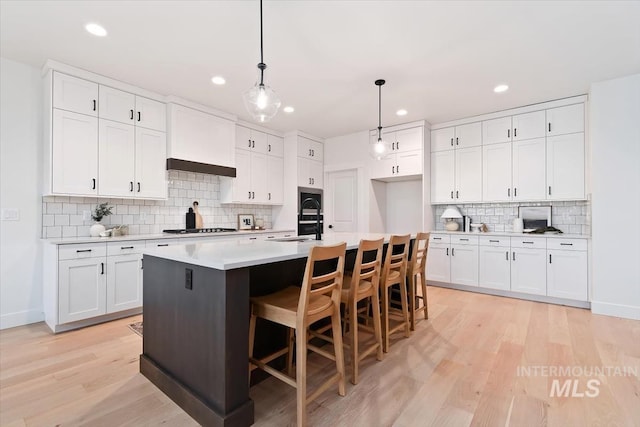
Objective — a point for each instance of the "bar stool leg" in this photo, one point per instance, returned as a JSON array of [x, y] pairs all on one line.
[[376, 323], [405, 309], [339, 350], [385, 319], [353, 331], [301, 377], [252, 334]]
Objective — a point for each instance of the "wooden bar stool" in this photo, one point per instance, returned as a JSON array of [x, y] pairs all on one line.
[[416, 275], [362, 284], [394, 272], [298, 308]]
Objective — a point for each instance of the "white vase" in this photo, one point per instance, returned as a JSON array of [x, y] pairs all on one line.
[[96, 229]]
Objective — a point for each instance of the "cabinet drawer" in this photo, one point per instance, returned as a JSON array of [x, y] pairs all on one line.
[[125, 248], [496, 241], [529, 242], [439, 238], [567, 244], [88, 250], [162, 242], [464, 240]]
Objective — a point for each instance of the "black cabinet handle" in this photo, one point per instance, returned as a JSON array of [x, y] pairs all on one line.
[[453, 251], [452, 142], [447, 251], [515, 132], [249, 143], [126, 247], [397, 145], [508, 192], [162, 244], [508, 133], [528, 243], [269, 149], [464, 240], [252, 238], [253, 144], [494, 241], [94, 105], [549, 258], [83, 250], [309, 152], [452, 194], [313, 181], [253, 195], [139, 116], [313, 153], [94, 184], [393, 169], [249, 194], [515, 192], [131, 114], [269, 196], [549, 126], [514, 256], [506, 255], [549, 190], [142, 264], [566, 244], [138, 187], [457, 194], [437, 238], [456, 140], [309, 180], [271, 237], [102, 268], [130, 185]]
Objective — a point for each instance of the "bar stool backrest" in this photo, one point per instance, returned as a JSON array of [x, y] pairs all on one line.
[[396, 262], [366, 271]]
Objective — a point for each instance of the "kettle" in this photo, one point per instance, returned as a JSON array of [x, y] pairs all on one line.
[[518, 225]]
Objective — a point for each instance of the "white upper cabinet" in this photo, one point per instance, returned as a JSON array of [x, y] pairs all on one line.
[[201, 137], [275, 146], [463, 136], [496, 131], [443, 176], [151, 161], [564, 120], [151, 114], [275, 180], [468, 183], [496, 172], [565, 167], [117, 105], [310, 149], [251, 139], [74, 157], [528, 126], [310, 173], [116, 159], [74, 94], [529, 169], [405, 140]]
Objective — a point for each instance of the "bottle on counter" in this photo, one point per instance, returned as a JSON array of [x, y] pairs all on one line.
[[190, 219]]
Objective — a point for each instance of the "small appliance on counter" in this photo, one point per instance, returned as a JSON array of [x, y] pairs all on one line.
[[466, 223], [534, 217]]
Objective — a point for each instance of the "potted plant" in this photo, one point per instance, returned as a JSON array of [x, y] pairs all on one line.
[[102, 210]]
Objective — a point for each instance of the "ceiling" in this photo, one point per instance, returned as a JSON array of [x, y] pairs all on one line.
[[441, 60]]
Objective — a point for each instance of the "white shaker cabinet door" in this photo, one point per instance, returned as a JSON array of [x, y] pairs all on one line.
[[117, 105], [468, 171], [565, 167], [75, 153], [151, 164], [408, 140], [495, 268], [529, 169], [442, 139], [469, 135], [564, 120], [528, 271], [275, 180], [124, 282], [567, 274], [242, 181], [151, 114], [275, 146], [528, 126], [443, 176], [259, 178], [496, 131], [464, 265], [438, 263], [316, 171], [82, 289], [496, 172], [117, 159], [408, 163], [74, 94]]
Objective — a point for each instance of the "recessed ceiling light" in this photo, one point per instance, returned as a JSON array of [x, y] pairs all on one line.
[[288, 109], [401, 112], [218, 80], [500, 88], [95, 29]]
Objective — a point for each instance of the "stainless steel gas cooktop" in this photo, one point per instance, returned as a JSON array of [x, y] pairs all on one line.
[[199, 230]]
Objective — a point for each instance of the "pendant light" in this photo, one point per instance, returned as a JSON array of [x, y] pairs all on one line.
[[379, 149], [261, 101]]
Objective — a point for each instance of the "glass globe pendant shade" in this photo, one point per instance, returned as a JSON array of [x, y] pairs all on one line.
[[261, 102], [379, 149]]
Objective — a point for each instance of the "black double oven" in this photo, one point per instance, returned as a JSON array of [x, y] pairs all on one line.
[[308, 216]]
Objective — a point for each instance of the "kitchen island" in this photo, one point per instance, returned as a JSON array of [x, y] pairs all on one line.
[[196, 317]]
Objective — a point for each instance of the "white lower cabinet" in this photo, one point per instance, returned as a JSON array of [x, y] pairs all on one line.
[[553, 267], [567, 267], [494, 263], [82, 288], [124, 275]]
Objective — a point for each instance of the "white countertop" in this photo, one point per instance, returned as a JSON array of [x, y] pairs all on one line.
[[228, 255], [512, 234], [88, 239]]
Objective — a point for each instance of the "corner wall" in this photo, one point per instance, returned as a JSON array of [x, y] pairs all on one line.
[[21, 98], [615, 144]]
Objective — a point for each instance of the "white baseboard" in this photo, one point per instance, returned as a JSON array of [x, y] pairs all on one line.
[[20, 318], [617, 310]]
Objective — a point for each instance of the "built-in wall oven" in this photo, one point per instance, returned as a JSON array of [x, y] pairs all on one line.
[[308, 218]]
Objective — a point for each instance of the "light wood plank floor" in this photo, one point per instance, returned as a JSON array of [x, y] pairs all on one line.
[[459, 368]]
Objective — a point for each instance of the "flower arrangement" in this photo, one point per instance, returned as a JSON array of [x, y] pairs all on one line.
[[102, 210]]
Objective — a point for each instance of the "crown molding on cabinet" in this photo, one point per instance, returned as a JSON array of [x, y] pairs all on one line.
[[172, 99], [259, 128], [402, 126], [295, 133], [526, 109]]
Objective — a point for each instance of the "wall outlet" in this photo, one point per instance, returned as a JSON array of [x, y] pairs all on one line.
[[86, 215]]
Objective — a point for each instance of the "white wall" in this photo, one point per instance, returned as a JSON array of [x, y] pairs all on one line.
[[404, 207], [615, 144], [20, 183], [351, 152]]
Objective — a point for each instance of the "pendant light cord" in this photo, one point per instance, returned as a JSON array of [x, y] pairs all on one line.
[[262, 65], [379, 111]]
